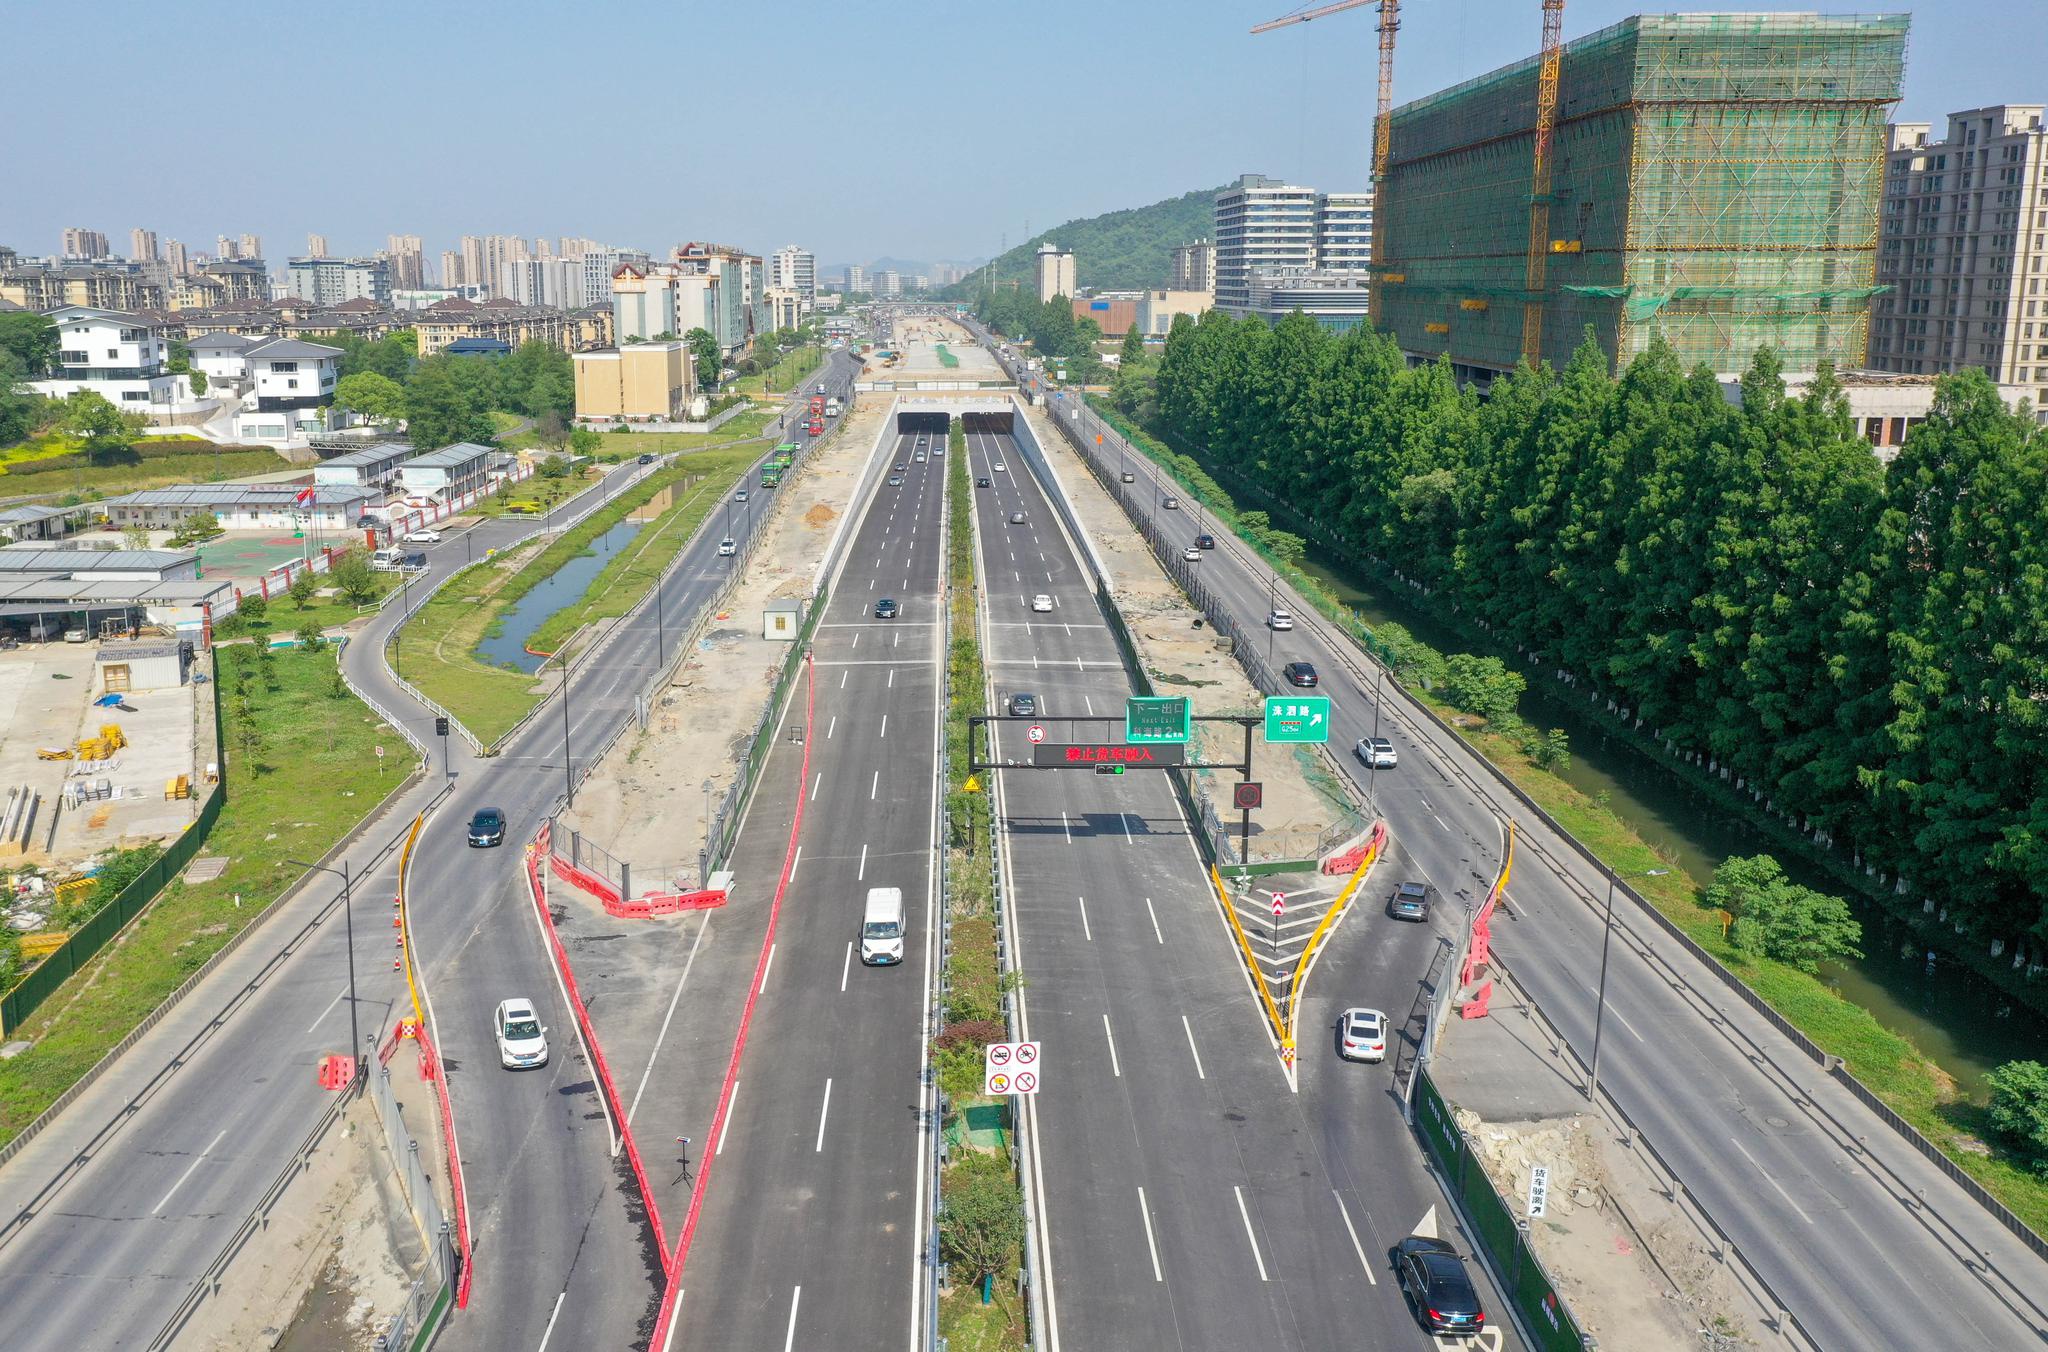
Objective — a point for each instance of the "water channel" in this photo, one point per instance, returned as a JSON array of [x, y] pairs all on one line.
[[506, 643], [1963, 1023]]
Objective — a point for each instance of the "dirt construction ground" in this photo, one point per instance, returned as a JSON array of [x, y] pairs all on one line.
[[1305, 802]]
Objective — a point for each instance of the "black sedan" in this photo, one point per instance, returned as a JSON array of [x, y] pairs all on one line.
[[1434, 1279], [885, 609], [1301, 674], [487, 827]]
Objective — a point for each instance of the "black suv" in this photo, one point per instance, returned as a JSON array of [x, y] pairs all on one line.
[[1434, 1279], [1410, 901], [487, 827], [1302, 674]]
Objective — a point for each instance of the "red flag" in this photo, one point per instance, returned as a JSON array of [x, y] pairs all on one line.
[[304, 494]]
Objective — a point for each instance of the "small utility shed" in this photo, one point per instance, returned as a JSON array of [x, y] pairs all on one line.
[[140, 664], [782, 620]]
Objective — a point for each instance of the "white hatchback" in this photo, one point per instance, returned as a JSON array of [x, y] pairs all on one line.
[[522, 1042]]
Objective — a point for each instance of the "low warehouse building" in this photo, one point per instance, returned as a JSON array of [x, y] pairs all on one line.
[[447, 473], [140, 664], [243, 506]]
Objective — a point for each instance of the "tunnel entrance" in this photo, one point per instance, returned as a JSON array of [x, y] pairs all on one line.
[[911, 423], [999, 423]]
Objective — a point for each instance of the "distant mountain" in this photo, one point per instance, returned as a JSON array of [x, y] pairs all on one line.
[[1118, 251]]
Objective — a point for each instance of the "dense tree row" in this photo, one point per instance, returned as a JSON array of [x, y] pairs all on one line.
[[446, 399], [1869, 645], [1051, 329]]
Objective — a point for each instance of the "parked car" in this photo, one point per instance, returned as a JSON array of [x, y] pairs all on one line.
[[423, 537], [1434, 1279], [1362, 1035], [487, 827], [1377, 752], [1279, 619], [1041, 604], [1023, 704], [728, 547], [522, 1042], [1302, 674], [1410, 901], [413, 563], [885, 609]]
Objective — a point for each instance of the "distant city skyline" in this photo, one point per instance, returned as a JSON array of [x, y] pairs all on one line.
[[862, 174]]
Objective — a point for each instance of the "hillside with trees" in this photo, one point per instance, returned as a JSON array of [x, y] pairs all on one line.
[[1117, 251]]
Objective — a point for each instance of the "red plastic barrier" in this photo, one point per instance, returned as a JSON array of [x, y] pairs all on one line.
[[739, 1044], [634, 908], [430, 1068], [604, 1074]]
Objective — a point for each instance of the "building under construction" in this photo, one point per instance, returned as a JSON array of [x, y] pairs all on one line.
[[1713, 180]]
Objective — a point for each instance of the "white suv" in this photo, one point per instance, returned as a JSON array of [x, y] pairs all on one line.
[[522, 1042]]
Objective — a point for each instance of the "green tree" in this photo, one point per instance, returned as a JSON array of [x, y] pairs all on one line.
[[31, 339], [705, 351], [1779, 918], [302, 588], [352, 576], [981, 1216], [2019, 1108], [311, 638], [22, 410], [449, 400], [585, 441], [100, 425], [1482, 685], [197, 379], [1133, 351], [371, 395], [135, 537]]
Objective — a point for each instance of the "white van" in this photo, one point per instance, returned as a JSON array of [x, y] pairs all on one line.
[[881, 927]]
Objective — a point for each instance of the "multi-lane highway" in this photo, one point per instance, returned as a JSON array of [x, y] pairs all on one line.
[[813, 1218], [1819, 1194], [108, 1217], [1188, 1197]]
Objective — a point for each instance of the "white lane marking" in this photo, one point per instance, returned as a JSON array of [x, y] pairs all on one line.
[[856, 637], [1091, 705], [555, 1314], [1200, 1074], [726, 1126], [789, 1342], [816, 780], [1356, 1247], [688, 963], [1086, 933], [846, 967], [1067, 827], [875, 784], [1772, 1181], [1126, 819], [794, 860], [842, 679], [1114, 1065], [831, 727], [885, 725], [1146, 1212], [197, 1160], [330, 1005], [1248, 1232], [824, 1109], [892, 678], [766, 968], [1617, 1014], [861, 874], [1155, 921], [1441, 822]]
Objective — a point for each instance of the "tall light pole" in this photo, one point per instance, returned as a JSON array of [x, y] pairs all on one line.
[[355, 1040], [1600, 1001], [568, 765]]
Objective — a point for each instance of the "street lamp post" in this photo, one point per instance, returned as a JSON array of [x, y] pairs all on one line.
[[1600, 1001], [568, 764], [355, 1040]]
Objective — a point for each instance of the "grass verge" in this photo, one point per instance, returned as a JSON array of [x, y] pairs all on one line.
[[63, 474], [982, 1209], [784, 375], [1891, 1066], [740, 427], [437, 650], [537, 494], [304, 781]]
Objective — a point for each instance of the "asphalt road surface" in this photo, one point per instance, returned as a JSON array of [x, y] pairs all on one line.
[[1821, 1196], [1190, 1198]]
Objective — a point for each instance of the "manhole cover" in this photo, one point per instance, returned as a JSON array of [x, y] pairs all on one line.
[[1776, 1122]]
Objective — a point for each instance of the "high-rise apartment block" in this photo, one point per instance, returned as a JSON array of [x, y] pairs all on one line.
[[1282, 246], [82, 243], [888, 282], [1056, 276], [1194, 267], [142, 245], [175, 254], [1963, 251], [316, 245], [331, 281], [407, 256], [856, 277], [795, 269], [1715, 181], [249, 246]]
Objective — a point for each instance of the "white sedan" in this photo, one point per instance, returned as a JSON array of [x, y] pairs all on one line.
[[1041, 604], [423, 537], [1362, 1035], [1280, 619], [1191, 554]]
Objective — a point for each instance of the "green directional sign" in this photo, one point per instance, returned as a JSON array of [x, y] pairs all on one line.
[[1297, 718], [1156, 718]]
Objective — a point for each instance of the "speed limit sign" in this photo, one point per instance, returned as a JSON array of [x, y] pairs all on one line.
[[1037, 733]]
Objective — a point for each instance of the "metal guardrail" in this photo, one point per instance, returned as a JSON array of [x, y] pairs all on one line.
[[424, 1304]]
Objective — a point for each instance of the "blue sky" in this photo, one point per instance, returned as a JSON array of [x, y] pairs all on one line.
[[913, 129]]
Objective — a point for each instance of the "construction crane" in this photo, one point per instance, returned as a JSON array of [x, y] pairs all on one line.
[[1547, 72], [1382, 127]]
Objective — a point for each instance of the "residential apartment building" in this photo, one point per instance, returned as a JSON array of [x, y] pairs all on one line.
[[1056, 276], [116, 354], [795, 270], [316, 245], [1194, 267], [1344, 232], [445, 321], [1281, 243], [786, 308], [856, 277], [82, 243], [1261, 223], [330, 281], [639, 382], [1963, 251], [407, 257], [142, 245], [596, 264], [46, 285], [175, 255], [451, 268]]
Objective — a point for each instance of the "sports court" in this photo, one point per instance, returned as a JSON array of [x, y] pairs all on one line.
[[244, 556]]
